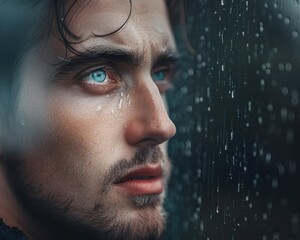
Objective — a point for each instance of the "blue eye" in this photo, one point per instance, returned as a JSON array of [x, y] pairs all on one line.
[[159, 75], [98, 76]]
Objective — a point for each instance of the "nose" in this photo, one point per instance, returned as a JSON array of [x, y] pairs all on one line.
[[148, 121]]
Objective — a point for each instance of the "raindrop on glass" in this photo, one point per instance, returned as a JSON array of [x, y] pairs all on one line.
[[288, 67], [295, 33], [287, 20]]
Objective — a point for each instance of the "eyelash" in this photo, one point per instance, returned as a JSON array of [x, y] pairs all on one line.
[[114, 80]]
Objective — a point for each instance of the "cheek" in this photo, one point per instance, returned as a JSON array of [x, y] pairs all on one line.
[[93, 122], [74, 137]]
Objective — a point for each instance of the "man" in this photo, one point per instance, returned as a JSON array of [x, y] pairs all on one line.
[[84, 155]]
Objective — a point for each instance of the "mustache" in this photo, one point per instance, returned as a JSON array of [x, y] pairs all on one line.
[[143, 156]]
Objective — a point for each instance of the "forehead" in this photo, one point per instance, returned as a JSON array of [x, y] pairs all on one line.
[[147, 27]]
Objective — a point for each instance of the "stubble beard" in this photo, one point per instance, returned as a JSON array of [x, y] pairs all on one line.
[[144, 219]]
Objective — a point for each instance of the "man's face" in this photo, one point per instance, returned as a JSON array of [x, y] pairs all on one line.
[[92, 127]]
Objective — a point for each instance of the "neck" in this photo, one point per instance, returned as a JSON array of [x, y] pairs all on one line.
[[9, 207], [12, 212]]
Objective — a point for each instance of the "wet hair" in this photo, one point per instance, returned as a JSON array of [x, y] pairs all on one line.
[[61, 28], [176, 9], [35, 20]]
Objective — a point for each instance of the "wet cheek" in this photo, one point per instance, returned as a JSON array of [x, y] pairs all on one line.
[[94, 125], [78, 137]]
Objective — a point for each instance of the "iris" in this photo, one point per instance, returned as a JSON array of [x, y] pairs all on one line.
[[159, 75], [98, 76]]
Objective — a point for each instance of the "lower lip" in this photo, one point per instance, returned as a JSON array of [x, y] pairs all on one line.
[[137, 187]]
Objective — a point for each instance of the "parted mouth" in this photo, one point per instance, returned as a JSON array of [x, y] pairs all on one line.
[[144, 180], [142, 173]]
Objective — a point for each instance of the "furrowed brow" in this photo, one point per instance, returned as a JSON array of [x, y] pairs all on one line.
[[100, 55]]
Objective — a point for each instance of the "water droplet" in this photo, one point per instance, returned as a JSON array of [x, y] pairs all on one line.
[[295, 98], [274, 183], [295, 220], [98, 109], [128, 99], [232, 94], [270, 107], [268, 157], [295, 33], [261, 28], [288, 67], [217, 209], [287, 20], [269, 206], [281, 67], [265, 216], [201, 226], [184, 90], [120, 104]]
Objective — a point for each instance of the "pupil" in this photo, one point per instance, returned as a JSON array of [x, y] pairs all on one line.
[[99, 76], [159, 75]]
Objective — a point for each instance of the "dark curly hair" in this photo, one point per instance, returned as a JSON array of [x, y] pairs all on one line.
[[61, 14], [25, 23]]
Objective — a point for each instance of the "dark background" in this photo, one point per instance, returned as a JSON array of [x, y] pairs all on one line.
[[236, 154]]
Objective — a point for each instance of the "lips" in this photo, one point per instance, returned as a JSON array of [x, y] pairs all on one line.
[[142, 181]]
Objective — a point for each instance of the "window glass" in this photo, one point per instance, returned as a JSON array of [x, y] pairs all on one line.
[[236, 106]]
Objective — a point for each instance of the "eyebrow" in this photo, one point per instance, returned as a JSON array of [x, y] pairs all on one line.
[[105, 54]]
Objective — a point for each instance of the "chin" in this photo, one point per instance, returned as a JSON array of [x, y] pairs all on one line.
[[144, 219], [145, 223], [136, 218]]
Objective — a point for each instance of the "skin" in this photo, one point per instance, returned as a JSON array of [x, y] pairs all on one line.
[[72, 131]]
